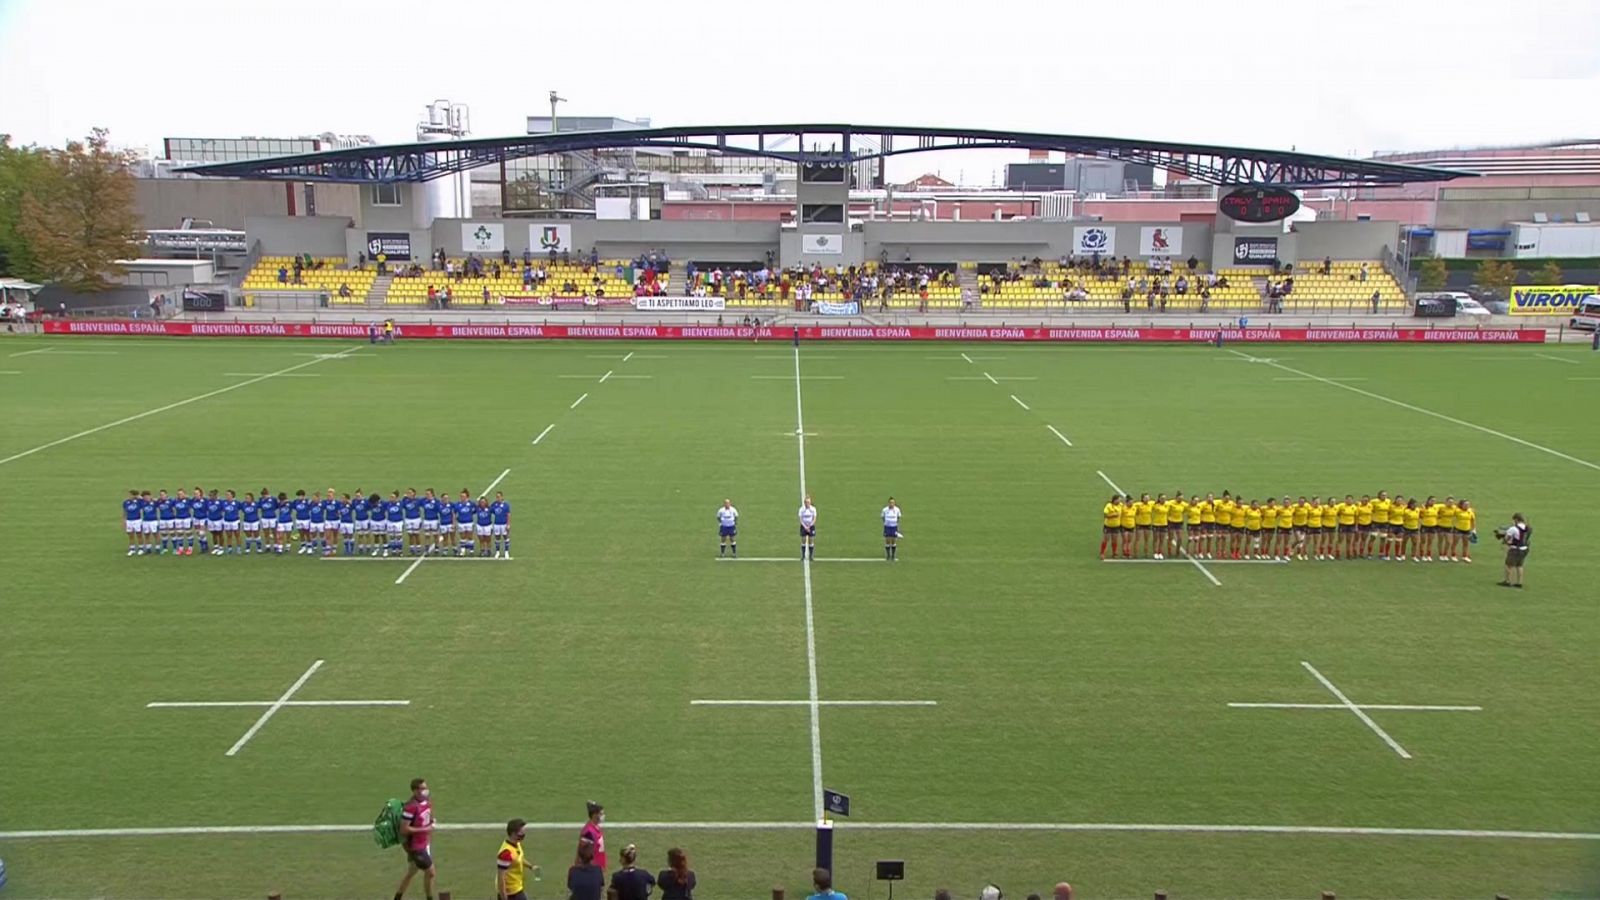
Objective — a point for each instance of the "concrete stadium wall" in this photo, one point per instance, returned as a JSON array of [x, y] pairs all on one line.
[[1345, 240], [1492, 207], [164, 202], [627, 238], [999, 241], [316, 235]]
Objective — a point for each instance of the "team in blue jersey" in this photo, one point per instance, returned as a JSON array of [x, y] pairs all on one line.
[[332, 524]]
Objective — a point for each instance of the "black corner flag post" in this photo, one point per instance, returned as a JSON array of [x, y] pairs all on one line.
[[833, 802]]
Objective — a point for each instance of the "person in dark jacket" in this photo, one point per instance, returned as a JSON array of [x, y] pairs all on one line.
[[677, 879], [585, 880], [631, 882]]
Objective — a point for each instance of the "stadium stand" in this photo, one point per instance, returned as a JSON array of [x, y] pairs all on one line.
[[612, 278], [325, 274]]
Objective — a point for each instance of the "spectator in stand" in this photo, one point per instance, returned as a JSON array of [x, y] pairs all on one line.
[[594, 256], [1375, 299], [433, 297], [344, 289], [527, 277], [585, 880], [527, 257], [486, 295], [1194, 264], [361, 260], [566, 256], [283, 275], [822, 879], [1363, 273], [631, 882], [505, 257], [1327, 265]]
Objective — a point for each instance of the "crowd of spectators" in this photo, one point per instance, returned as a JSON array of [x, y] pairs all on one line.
[[799, 283]]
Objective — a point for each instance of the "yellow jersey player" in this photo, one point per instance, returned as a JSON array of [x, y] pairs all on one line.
[[1239, 529], [1129, 522], [1177, 507], [1196, 522], [1364, 527], [1430, 527], [1158, 525], [1411, 525], [1111, 530], [1208, 525], [1466, 528], [1347, 528], [1269, 528], [1301, 518], [1447, 530], [1314, 527], [1142, 511], [1285, 528], [1381, 505], [1252, 527]]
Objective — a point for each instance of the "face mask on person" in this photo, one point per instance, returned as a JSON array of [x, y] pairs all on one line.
[[423, 794]]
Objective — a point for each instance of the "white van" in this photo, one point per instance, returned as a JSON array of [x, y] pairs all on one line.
[[1588, 315]]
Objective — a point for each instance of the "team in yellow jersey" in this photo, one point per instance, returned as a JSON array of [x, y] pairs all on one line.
[[1231, 527]]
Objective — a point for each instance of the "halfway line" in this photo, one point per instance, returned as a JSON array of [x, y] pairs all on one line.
[[811, 627], [808, 703], [1397, 707], [1376, 729]]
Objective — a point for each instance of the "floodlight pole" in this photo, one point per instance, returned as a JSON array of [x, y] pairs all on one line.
[[554, 99]]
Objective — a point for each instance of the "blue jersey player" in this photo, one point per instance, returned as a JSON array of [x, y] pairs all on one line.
[[394, 522], [447, 522], [302, 521], [130, 522], [361, 520], [317, 521], [727, 529], [466, 516], [250, 524], [430, 521], [166, 520], [285, 523], [501, 511], [183, 518], [411, 506], [483, 524], [230, 524], [148, 524]]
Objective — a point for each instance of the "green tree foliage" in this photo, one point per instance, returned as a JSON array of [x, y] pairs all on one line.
[[1549, 273], [1432, 274], [1496, 274], [76, 215], [19, 168]]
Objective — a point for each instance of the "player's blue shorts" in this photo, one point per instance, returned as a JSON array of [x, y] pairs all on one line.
[[891, 531], [727, 530]]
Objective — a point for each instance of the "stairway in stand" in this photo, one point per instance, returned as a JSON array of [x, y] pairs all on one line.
[[378, 294]]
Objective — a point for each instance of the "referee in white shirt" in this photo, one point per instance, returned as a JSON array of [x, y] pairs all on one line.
[[808, 529], [728, 529], [891, 530]]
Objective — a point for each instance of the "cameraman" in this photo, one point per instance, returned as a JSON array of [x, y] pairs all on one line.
[[1516, 537]]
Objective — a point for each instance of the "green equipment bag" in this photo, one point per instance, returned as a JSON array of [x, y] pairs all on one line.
[[386, 828]]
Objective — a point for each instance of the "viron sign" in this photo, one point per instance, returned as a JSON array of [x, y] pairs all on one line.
[[1550, 300]]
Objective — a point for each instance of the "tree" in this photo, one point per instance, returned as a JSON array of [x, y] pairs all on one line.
[[19, 168], [1432, 274], [1496, 274], [78, 214], [1549, 273]]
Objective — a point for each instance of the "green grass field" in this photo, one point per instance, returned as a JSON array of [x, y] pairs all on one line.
[[1073, 697]]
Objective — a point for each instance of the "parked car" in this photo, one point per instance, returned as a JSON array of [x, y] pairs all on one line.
[[1587, 317], [1466, 306]]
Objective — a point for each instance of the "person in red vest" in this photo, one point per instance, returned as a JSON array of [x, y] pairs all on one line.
[[591, 832]]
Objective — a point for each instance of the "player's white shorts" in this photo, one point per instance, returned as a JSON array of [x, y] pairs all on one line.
[[347, 528], [230, 526], [285, 527], [184, 524], [485, 530], [392, 527], [302, 523], [149, 527], [132, 526], [430, 524], [500, 530], [413, 525], [252, 527]]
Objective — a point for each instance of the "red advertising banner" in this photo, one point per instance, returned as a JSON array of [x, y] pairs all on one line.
[[512, 331]]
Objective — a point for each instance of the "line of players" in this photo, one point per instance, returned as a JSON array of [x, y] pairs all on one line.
[[1234, 528], [222, 524]]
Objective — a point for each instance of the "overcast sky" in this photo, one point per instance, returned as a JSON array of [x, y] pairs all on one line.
[[1331, 77]]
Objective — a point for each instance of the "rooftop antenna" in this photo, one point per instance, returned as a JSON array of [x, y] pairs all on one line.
[[554, 99]]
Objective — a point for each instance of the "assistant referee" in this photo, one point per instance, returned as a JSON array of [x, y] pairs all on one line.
[[1516, 537]]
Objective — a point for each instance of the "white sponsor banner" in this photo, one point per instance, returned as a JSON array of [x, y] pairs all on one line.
[[822, 243], [670, 304], [478, 237], [550, 238], [836, 309], [1091, 239], [1161, 240]]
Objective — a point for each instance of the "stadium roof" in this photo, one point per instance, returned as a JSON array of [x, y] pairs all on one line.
[[820, 144]]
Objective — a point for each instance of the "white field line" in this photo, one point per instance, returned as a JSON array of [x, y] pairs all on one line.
[[343, 354], [213, 704], [811, 627], [583, 377], [543, 433], [1298, 378], [401, 559], [807, 377], [1107, 480], [990, 377], [1020, 403], [628, 357], [1211, 562], [604, 377], [1203, 570], [1396, 707], [790, 559], [1559, 359], [273, 709], [577, 401], [161, 409], [1107, 827], [966, 357], [1583, 378], [409, 569], [808, 703], [1366, 719], [10, 372], [618, 377], [1427, 412], [32, 352], [265, 374], [1058, 434], [493, 484], [85, 352]]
